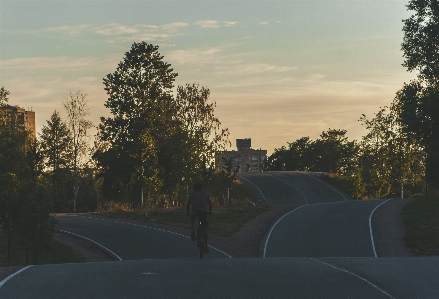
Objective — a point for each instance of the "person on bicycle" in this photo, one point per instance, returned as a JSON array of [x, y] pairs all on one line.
[[201, 207]]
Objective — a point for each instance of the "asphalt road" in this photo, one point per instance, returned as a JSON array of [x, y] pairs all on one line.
[[231, 278], [336, 229], [291, 188], [321, 249], [131, 241], [328, 222]]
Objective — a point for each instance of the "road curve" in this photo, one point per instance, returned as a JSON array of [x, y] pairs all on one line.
[[132, 241], [291, 188], [328, 223], [337, 229]]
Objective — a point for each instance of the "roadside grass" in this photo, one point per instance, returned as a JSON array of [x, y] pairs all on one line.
[[223, 221], [57, 254], [421, 222]]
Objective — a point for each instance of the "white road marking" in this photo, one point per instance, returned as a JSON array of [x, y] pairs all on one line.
[[271, 230], [358, 276], [306, 201], [149, 273], [82, 237], [12, 275], [154, 228], [325, 184], [256, 188], [370, 226]]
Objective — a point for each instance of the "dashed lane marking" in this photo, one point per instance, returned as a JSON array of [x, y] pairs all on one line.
[[149, 227], [306, 201], [256, 188], [325, 185], [99, 245], [356, 275]]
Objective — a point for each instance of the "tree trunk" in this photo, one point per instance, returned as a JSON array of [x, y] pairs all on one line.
[[402, 189]]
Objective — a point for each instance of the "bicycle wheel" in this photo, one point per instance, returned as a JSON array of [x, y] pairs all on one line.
[[200, 242]]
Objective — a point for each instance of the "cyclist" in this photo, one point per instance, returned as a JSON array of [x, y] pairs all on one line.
[[201, 207]]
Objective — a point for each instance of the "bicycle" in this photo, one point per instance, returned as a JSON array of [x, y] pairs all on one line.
[[200, 239]]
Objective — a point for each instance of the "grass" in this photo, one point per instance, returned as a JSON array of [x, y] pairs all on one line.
[[421, 221], [57, 254], [223, 221]]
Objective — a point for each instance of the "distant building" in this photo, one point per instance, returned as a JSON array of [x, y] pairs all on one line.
[[22, 117], [245, 159]]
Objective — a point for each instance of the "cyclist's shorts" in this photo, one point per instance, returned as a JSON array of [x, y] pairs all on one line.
[[203, 217]]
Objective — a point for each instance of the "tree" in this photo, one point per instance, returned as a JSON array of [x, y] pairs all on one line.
[[20, 170], [141, 105], [3, 102], [162, 143], [418, 100], [229, 174], [56, 147], [389, 155], [201, 132], [77, 111], [12, 165], [278, 159], [9, 207], [420, 44], [333, 151], [299, 152]]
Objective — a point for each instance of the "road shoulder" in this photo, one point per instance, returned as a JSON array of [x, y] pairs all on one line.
[[388, 229]]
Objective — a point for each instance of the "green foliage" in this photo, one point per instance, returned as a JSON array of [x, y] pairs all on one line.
[[223, 221], [331, 153], [421, 225], [57, 253], [56, 147], [386, 157], [420, 44], [154, 141], [35, 225], [24, 202], [417, 102], [355, 185]]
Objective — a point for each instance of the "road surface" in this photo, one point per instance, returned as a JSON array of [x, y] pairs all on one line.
[[132, 241], [323, 248], [328, 278]]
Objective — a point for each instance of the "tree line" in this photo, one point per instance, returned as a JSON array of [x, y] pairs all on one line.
[[159, 139], [401, 146], [154, 146]]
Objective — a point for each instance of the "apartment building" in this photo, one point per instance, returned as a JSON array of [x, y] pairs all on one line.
[[245, 158], [22, 117]]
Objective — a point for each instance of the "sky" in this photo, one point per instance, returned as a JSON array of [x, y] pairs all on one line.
[[277, 70]]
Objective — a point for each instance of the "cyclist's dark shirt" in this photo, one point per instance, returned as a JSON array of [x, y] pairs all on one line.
[[200, 200]]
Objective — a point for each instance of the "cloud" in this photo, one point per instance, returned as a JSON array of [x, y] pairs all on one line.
[[70, 30], [207, 24], [125, 33], [44, 63], [248, 68], [47, 68], [268, 22], [173, 26], [118, 32], [229, 24], [193, 56], [118, 29]]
